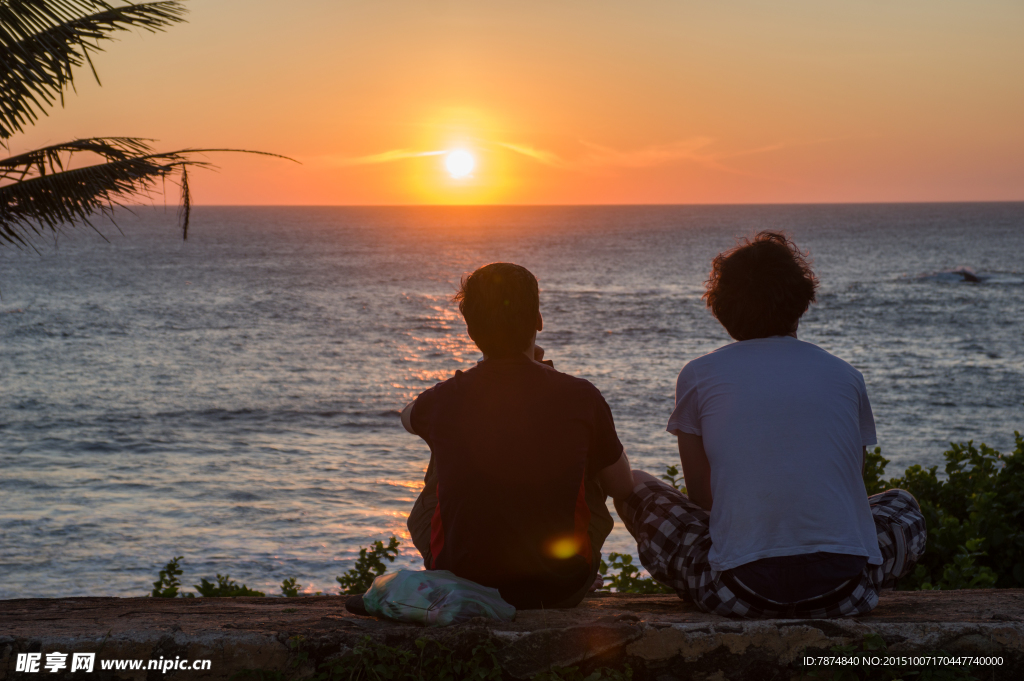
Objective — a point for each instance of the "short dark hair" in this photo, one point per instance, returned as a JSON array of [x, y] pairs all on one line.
[[760, 288], [500, 303]]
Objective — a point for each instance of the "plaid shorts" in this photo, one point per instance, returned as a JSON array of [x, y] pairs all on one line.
[[674, 539]]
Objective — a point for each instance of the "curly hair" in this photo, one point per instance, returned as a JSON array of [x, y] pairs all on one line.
[[500, 303], [760, 288]]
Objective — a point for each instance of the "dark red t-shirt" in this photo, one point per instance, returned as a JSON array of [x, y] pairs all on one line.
[[512, 444]]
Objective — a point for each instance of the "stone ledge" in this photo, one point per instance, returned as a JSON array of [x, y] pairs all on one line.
[[660, 637]]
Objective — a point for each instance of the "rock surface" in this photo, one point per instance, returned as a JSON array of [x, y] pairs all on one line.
[[659, 637]]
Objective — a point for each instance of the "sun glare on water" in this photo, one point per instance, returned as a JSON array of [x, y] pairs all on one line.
[[460, 163]]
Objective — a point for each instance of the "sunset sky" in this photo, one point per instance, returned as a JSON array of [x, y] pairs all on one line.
[[587, 102]]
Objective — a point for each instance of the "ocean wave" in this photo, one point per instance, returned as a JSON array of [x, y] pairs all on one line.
[[356, 417]]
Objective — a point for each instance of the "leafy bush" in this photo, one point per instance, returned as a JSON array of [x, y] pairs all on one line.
[[225, 588], [975, 516], [368, 566], [962, 573], [627, 579], [289, 589], [674, 477], [167, 585]]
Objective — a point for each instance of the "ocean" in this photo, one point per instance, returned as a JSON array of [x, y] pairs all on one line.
[[234, 399]]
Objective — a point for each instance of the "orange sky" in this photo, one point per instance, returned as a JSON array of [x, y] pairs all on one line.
[[577, 102]]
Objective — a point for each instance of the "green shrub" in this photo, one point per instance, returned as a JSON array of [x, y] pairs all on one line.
[[225, 588], [289, 589], [962, 573], [874, 469], [627, 580], [674, 477], [167, 584], [368, 566], [975, 516]]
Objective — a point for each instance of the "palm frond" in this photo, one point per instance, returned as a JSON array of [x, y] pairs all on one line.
[[186, 204], [40, 192], [43, 41], [49, 202], [57, 157]]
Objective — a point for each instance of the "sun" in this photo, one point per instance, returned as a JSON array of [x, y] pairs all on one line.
[[460, 163]]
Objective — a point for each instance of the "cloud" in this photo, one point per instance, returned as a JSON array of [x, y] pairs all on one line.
[[646, 157], [383, 157], [545, 157], [598, 158], [695, 150]]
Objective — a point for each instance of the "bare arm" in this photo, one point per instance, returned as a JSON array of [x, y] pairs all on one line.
[[617, 479], [696, 469]]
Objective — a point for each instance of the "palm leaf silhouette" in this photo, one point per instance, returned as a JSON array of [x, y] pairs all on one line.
[[42, 191], [47, 194], [42, 41]]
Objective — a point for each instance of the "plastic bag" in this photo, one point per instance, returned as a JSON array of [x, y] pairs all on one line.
[[434, 598]]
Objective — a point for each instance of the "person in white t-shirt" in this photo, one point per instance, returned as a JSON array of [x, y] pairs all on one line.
[[772, 435]]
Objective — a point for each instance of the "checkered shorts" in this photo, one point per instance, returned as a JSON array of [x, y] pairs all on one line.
[[673, 540]]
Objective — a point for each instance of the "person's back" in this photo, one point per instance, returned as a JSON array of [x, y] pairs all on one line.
[[772, 433], [514, 443], [521, 458], [783, 424]]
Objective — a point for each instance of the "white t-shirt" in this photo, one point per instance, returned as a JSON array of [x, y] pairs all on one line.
[[784, 424]]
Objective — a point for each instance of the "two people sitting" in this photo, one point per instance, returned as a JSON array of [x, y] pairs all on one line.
[[772, 434]]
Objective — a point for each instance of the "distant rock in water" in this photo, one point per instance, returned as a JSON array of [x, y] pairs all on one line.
[[968, 274], [959, 275]]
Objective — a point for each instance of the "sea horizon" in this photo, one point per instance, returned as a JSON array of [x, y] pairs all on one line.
[[582, 205]]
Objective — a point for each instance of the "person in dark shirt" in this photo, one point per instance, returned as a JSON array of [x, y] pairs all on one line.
[[522, 457]]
